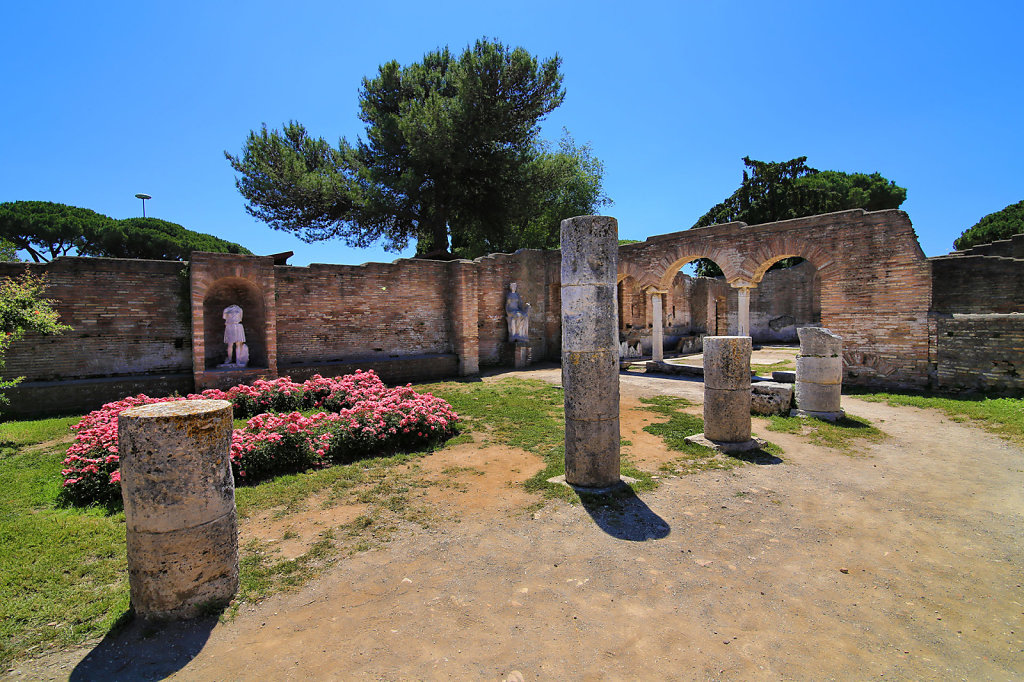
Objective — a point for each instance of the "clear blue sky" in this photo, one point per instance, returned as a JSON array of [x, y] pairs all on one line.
[[103, 100]]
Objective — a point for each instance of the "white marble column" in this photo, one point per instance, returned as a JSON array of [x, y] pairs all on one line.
[[658, 336], [743, 311]]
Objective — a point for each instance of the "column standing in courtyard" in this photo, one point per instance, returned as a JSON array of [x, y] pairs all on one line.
[[590, 351]]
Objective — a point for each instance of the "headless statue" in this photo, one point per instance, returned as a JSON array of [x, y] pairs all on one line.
[[234, 337]]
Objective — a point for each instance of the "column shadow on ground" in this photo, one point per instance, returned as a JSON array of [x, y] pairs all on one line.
[[625, 516], [144, 650]]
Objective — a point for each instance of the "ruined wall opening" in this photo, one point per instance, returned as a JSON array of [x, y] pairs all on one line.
[[787, 297], [698, 302], [245, 294]]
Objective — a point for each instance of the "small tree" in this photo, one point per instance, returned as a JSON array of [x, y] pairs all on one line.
[[24, 309]]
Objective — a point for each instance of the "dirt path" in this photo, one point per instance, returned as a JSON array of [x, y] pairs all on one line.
[[902, 562]]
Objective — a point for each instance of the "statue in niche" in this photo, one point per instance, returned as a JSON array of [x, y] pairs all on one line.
[[518, 314], [234, 338]]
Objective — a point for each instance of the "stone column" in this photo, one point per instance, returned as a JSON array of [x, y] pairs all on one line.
[[658, 335], [726, 394], [590, 351], [179, 506], [743, 311], [819, 374]]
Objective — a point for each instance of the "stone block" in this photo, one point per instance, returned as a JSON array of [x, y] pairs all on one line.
[[784, 377], [814, 369], [819, 341], [590, 250], [769, 397], [175, 471], [727, 414], [818, 397], [592, 453], [586, 322], [727, 362], [176, 574], [594, 377]]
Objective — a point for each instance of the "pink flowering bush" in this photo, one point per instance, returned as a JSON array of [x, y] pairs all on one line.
[[362, 418]]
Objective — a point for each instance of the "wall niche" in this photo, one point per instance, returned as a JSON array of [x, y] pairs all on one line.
[[246, 295]]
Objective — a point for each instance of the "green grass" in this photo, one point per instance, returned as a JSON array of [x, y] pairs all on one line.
[[63, 572], [780, 366], [841, 435], [694, 458], [1003, 416]]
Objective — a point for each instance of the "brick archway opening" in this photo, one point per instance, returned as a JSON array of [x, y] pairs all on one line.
[[786, 298]]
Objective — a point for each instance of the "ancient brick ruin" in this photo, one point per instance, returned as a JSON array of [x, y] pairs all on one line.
[[950, 323]]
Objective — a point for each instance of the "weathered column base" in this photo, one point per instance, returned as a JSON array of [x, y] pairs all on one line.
[[522, 359], [623, 482], [826, 416], [724, 446]]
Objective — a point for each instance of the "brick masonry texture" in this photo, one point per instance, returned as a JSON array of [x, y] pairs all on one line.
[[156, 326]]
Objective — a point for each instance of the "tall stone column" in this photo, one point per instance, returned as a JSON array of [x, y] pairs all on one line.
[[658, 330], [590, 351], [819, 374], [726, 395], [179, 506], [743, 311]]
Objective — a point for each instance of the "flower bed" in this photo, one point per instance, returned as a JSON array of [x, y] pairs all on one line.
[[361, 418]]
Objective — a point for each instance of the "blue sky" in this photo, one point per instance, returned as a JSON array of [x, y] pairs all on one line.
[[104, 100]]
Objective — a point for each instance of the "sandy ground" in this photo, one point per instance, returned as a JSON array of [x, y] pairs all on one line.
[[902, 562]]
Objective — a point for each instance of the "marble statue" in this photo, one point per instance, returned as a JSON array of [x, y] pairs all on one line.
[[234, 338], [518, 314]]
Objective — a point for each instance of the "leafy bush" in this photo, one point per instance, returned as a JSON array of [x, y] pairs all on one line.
[[368, 419]]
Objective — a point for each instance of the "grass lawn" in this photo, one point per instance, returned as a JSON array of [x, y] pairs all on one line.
[[63, 571], [1004, 416]]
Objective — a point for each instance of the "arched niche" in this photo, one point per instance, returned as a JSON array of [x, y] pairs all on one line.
[[632, 305], [246, 295]]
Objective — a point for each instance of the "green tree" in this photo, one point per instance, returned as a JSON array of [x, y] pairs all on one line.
[[8, 251], [451, 159], [46, 230], [773, 191], [999, 225], [23, 308]]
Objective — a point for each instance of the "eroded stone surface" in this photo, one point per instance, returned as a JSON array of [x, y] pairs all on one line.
[[770, 397], [727, 414], [595, 379], [727, 388], [179, 506], [590, 350], [727, 362], [819, 370], [819, 341]]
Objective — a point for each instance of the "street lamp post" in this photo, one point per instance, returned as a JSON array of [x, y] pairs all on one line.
[[143, 196]]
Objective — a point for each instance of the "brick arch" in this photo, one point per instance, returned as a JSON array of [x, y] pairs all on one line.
[[776, 247]]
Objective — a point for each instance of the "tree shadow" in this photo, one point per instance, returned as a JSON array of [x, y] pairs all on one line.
[[139, 649], [625, 516]]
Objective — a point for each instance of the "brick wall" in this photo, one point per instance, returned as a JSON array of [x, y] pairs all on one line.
[[981, 353], [978, 284], [128, 317], [978, 329], [157, 321], [875, 280]]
